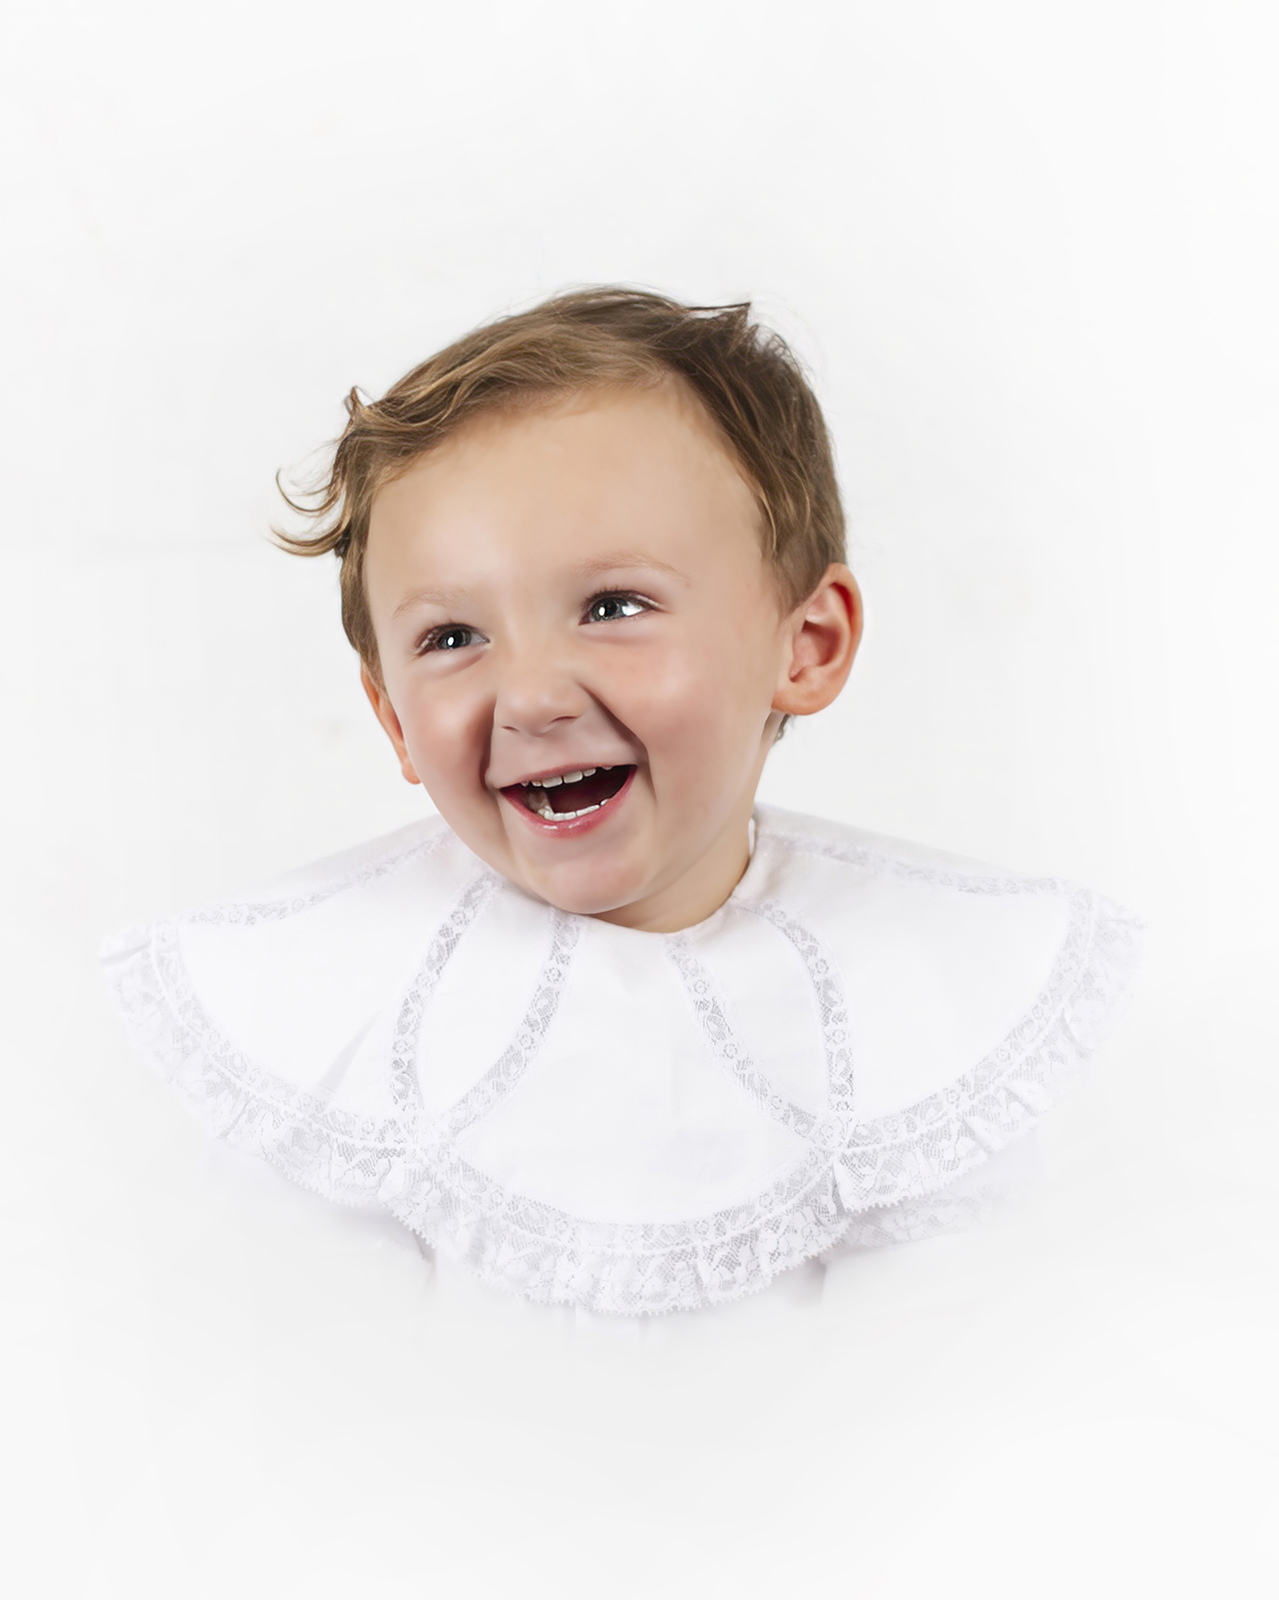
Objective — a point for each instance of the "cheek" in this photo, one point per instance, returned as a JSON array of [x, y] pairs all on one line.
[[443, 734], [704, 705]]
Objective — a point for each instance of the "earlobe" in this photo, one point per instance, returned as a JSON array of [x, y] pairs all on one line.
[[825, 632], [384, 711]]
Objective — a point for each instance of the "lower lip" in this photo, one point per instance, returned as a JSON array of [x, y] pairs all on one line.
[[573, 826]]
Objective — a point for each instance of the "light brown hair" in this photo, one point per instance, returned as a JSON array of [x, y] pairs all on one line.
[[744, 375]]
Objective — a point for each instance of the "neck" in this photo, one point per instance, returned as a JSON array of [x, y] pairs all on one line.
[[696, 893]]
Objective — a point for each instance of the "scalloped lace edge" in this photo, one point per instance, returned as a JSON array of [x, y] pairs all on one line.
[[896, 1167]]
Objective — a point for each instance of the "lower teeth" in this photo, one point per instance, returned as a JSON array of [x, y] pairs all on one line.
[[546, 810]]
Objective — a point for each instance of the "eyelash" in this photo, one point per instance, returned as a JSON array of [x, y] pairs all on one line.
[[618, 594], [431, 641]]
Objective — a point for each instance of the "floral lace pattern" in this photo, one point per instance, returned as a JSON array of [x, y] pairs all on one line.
[[725, 1048], [514, 1061], [828, 1132], [246, 913], [405, 1091], [877, 1181]]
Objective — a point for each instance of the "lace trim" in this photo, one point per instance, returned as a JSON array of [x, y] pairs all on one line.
[[548, 1255], [337, 1153], [727, 1051], [518, 1056], [631, 1269], [830, 999], [245, 913], [856, 855], [405, 1091], [829, 1130]]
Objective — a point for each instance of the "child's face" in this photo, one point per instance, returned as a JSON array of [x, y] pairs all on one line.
[[580, 589]]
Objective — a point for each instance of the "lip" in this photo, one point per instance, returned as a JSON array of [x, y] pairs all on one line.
[[573, 826]]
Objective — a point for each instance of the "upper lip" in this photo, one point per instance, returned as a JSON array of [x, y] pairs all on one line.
[[541, 774]]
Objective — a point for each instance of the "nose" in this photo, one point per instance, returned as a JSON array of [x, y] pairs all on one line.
[[537, 690]]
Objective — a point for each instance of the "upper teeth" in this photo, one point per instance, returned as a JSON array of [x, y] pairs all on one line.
[[566, 777]]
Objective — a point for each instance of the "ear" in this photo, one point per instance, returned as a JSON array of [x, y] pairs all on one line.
[[825, 631], [385, 713]]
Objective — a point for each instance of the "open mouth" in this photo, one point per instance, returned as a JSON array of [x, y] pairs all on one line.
[[570, 794]]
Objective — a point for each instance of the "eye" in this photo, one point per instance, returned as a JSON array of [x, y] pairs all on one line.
[[611, 607], [452, 636]]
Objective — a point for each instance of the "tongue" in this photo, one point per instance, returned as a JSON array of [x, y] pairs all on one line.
[[592, 791]]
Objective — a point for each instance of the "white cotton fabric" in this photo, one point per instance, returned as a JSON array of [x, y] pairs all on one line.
[[629, 1122]]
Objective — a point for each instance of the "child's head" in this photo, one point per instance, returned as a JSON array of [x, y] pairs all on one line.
[[601, 537]]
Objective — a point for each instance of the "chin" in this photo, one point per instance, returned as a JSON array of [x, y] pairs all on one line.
[[583, 895]]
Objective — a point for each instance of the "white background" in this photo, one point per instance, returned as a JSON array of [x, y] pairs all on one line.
[[1029, 251]]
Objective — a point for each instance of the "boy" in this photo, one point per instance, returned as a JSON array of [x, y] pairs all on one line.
[[603, 1032], [617, 546]]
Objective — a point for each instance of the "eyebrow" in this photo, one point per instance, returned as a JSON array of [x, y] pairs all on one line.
[[620, 561], [446, 599]]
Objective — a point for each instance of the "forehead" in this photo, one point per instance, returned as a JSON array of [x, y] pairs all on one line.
[[645, 465]]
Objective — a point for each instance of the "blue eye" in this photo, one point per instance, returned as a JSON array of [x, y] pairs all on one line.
[[610, 607]]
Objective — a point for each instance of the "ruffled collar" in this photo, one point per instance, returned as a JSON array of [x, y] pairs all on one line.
[[631, 1122]]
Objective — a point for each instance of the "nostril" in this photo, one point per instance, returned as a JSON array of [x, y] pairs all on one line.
[[536, 695]]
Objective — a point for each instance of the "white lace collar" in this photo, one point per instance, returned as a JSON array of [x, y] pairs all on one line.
[[624, 1121]]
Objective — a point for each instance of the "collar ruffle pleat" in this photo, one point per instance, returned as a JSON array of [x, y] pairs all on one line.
[[630, 1122]]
